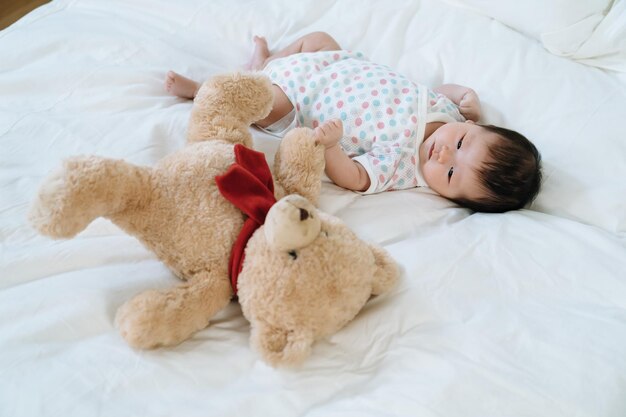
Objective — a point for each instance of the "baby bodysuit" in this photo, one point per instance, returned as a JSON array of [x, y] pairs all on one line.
[[384, 114]]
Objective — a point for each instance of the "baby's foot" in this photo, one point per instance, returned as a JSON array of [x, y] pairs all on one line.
[[260, 54], [329, 133], [180, 86]]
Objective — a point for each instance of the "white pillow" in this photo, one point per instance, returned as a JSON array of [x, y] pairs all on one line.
[[590, 31], [536, 17], [605, 47]]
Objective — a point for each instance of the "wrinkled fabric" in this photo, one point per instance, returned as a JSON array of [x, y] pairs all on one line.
[[516, 314]]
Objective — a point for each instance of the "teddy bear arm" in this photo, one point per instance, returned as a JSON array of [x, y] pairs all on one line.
[[299, 164], [280, 346], [168, 317], [386, 271]]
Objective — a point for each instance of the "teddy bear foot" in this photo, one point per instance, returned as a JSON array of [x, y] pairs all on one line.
[[245, 97], [52, 213], [83, 189]]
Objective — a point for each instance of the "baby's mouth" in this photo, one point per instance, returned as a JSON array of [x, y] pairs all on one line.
[[430, 152]]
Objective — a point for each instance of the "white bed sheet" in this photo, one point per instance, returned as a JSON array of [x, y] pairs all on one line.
[[521, 314]]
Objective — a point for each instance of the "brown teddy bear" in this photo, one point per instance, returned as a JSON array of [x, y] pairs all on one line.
[[301, 276]]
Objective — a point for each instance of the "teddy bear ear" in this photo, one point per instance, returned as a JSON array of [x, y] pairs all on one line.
[[281, 347], [386, 272]]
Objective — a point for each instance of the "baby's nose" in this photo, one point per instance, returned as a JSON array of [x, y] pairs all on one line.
[[444, 154]]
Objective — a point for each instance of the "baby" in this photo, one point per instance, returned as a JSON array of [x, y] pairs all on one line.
[[382, 131]]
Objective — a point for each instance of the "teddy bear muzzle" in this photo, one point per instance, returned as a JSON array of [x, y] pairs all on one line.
[[292, 223]]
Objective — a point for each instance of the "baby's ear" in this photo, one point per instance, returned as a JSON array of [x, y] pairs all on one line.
[[281, 347], [386, 272]]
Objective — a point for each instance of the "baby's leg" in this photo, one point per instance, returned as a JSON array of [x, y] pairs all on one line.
[[260, 54], [181, 86], [280, 108], [317, 41], [312, 42]]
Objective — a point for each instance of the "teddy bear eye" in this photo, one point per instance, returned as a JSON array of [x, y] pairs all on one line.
[[293, 254]]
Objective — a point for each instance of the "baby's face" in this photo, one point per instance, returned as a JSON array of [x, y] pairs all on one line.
[[450, 157]]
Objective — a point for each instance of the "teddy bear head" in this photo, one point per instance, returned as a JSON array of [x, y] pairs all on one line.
[[304, 277]]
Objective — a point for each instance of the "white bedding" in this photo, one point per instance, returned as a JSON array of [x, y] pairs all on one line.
[[520, 314]]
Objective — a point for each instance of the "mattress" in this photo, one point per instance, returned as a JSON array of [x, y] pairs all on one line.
[[515, 314]]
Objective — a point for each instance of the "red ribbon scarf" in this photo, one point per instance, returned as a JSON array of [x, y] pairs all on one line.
[[248, 185]]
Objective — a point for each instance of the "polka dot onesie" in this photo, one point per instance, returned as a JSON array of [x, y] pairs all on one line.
[[384, 114]]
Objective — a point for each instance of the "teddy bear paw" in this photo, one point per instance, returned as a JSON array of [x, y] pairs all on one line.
[[300, 147], [299, 164]]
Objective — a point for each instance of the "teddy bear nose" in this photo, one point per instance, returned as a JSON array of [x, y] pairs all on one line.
[[303, 214]]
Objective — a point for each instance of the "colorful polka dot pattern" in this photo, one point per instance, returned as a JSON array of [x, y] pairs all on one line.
[[378, 107]]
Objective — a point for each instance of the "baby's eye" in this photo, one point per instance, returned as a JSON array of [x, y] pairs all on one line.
[[458, 145], [450, 173]]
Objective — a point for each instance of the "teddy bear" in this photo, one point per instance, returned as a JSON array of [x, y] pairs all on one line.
[[215, 214]]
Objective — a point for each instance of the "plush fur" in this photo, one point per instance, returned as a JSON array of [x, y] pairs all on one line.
[[293, 289]]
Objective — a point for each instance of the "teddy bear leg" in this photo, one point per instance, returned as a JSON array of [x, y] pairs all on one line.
[[168, 317], [83, 189], [299, 164], [386, 272], [281, 347], [226, 105]]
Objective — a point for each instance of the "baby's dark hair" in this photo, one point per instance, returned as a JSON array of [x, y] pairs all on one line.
[[510, 176]]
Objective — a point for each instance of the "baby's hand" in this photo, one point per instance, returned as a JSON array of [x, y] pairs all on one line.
[[470, 106], [329, 133]]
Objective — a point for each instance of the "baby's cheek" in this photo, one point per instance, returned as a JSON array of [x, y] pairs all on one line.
[[427, 172], [433, 177]]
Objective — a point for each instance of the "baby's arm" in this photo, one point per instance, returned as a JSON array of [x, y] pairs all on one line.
[[342, 170], [464, 97]]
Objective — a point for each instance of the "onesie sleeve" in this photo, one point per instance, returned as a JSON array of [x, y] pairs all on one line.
[[442, 109], [381, 165]]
